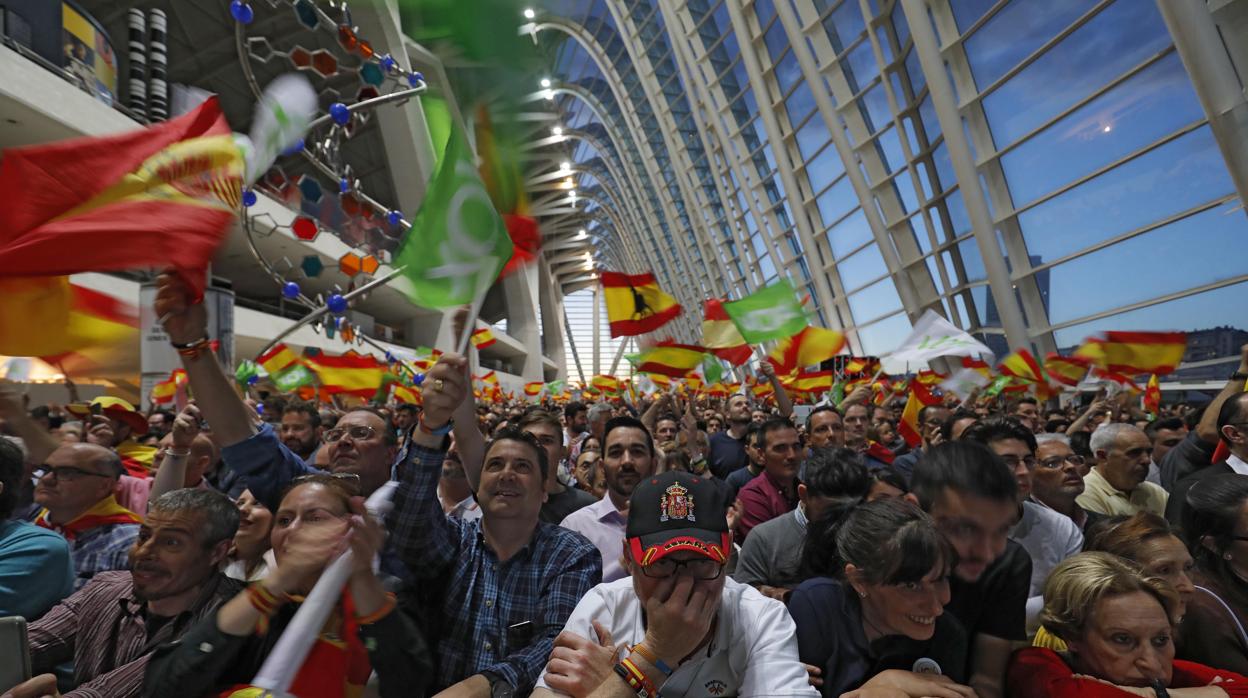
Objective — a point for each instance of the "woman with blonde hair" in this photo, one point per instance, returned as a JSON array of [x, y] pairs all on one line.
[[1118, 626]]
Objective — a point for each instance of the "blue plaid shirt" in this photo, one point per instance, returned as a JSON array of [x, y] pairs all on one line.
[[101, 549], [500, 617]]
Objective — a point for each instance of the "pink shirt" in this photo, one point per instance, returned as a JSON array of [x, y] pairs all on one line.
[[762, 499]]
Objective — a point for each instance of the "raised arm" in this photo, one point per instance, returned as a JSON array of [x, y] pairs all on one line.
[[782, 396]]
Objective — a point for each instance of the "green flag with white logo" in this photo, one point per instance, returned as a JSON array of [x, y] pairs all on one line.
[[457, 244], [291, 379], [767, 314]]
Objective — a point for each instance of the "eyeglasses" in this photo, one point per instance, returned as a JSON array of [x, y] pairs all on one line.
[[1056, 461], [348, 481], [357, 433], [65, 472], [702, 568], [1013, 461]]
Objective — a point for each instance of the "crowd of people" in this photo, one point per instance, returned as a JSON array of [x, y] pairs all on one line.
[[676, 544]]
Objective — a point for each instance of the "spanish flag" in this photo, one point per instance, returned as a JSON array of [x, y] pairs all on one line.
[[1022, 365], [908, 427], [277, 359], [1133, 353], [534, 389], [77, 329], [607, 384], [151, 197], [976, 365], [483, 338], [671, 359], [810, 382], [165, 391], [762, 390], [351, 373], [404, 394], [862, 365], [635, 304], [813, 345], [1152, 395], [721, 336], [1067, 370]]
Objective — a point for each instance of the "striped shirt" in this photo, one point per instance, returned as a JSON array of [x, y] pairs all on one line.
[[103, 629], [500, 617]]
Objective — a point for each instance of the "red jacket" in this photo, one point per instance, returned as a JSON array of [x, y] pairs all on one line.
[[1037, 672]]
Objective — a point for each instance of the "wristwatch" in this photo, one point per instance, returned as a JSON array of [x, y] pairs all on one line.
[[499, 688]]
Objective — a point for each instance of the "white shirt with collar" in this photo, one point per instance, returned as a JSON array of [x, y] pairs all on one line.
[[1237, 464], [753, 651]]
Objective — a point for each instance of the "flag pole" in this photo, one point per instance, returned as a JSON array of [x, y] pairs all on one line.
[[471, 321]]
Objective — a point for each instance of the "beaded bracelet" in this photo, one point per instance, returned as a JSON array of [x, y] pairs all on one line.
[[632, 681], [193, 349]]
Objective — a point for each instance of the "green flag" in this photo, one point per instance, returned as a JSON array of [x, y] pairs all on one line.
[[293, 378], [457, 244], [246, 372], [997, 386], [767, 314], [712, 370]]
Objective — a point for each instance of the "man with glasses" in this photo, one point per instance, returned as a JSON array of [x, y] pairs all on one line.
[[75, 492], [1233, 431], [677, 624], [1057, 480], [1047, 536], [1116, 484]]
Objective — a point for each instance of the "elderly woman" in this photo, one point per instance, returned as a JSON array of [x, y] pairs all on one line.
[[1118, 626]]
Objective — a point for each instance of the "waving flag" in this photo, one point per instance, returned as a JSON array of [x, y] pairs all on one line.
[[908, 427], [1022, 365], [635, 304], [1152, 395], [351, 373], [457, 244], [671, 359], [483, 338], [607, 384], [277, 359], [810, 346], [810, 382], [145, 198], [534, 389], [1067, 370], [67, 325], [1133, 353], [935, 336], [721, 336], [164, 392], [767, 314]]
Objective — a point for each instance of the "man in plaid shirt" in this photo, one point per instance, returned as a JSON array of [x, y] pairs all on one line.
[[511, 581], [75, 491]]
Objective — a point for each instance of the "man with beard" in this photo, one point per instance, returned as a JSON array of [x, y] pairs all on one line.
[[774, 492], [627, 458], [109, 627], [301, 430], [728, 446]]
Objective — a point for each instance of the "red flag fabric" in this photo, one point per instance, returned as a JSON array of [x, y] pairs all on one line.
[[526, 239], [153, 197]]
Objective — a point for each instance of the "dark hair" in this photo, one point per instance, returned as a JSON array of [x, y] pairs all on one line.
[[389, 434], [1234, 411], [1170, 423], [1124, 537], [836, 472], [770, 425], [925, 410], [301, 407], [1081, 443], [986, 431], [946, 427], [403, 407], [165, 415], [10, 476], [890, 540], [514, 434], [889, 476], [754, 434], [626, 423], [1211, 510], [572, 409], [1026, 400], [219, 512], [817, 410], [965, 466]]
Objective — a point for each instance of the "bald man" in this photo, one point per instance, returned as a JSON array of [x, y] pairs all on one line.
[[75, 490]]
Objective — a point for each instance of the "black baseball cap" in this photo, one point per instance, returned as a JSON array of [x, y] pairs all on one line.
[[676, 511]]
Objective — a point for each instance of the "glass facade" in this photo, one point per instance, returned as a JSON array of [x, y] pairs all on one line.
[[744, 141]]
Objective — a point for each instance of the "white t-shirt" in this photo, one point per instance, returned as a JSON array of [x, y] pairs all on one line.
[[753, 652], [1049, 538]]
